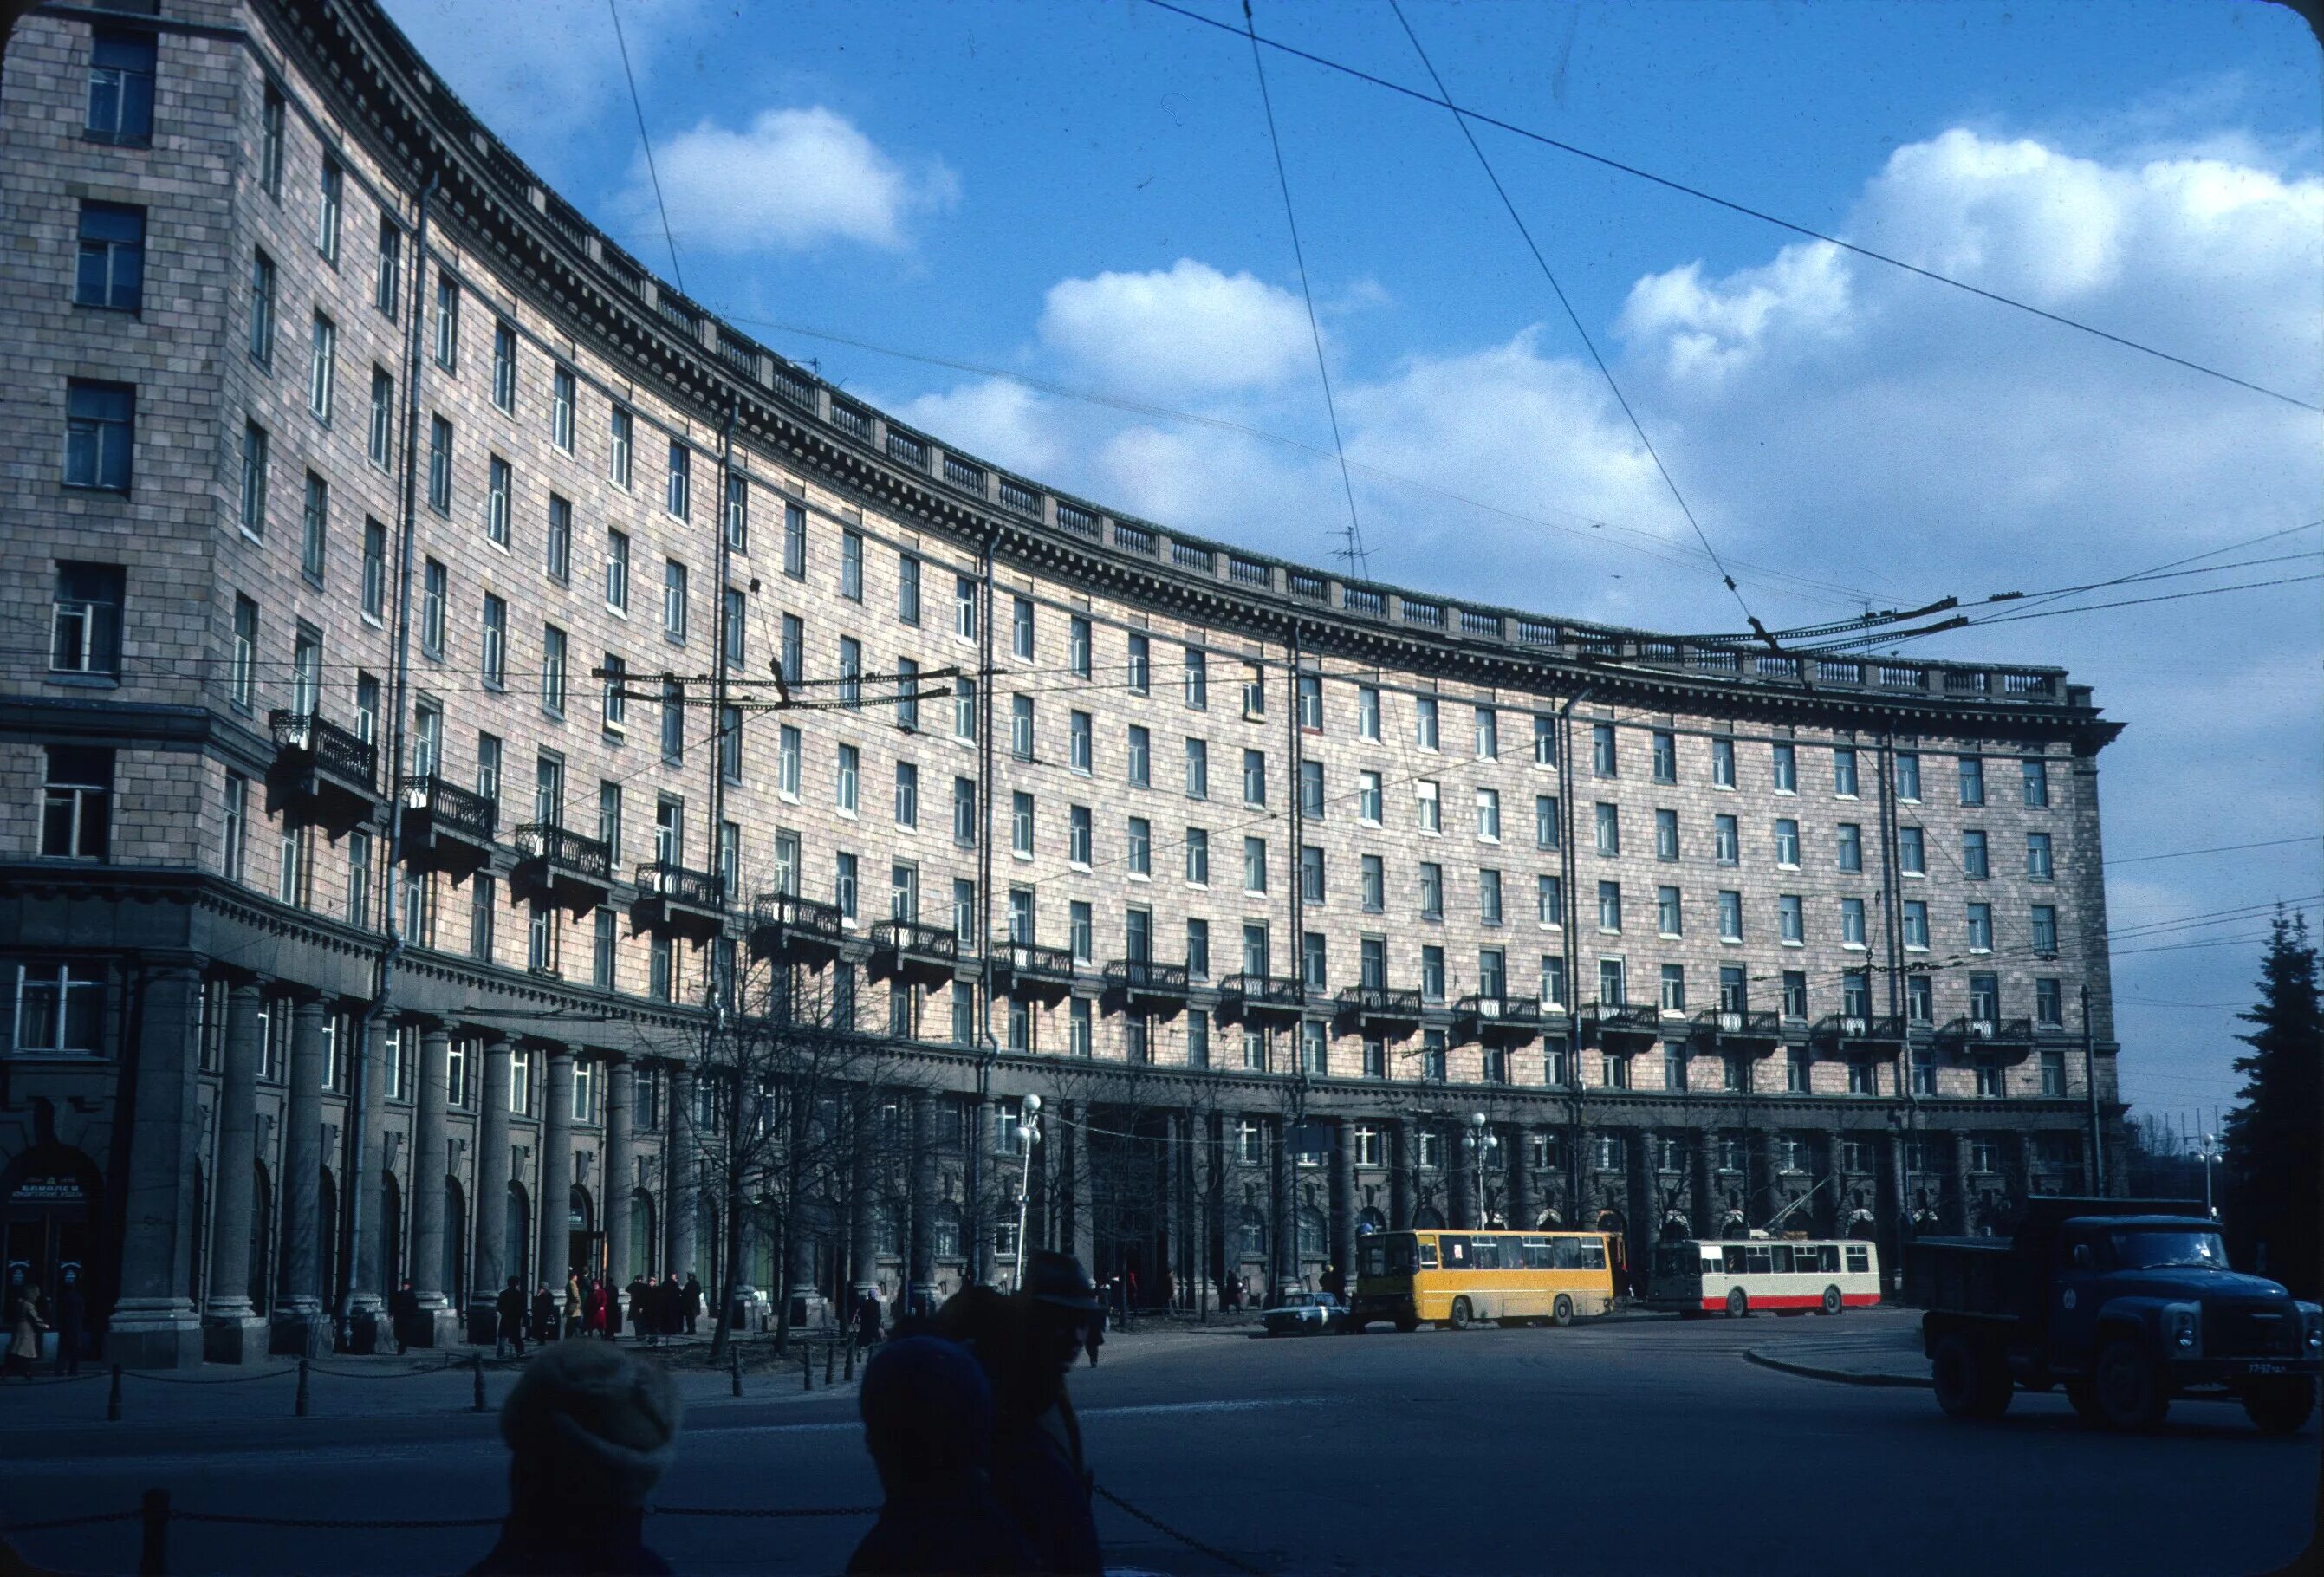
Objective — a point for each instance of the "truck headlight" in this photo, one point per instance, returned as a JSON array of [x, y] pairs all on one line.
[[2311, 1324], [2186, 1330]]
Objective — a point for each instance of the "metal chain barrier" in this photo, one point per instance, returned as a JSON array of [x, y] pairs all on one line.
[[91, 1520], [239, 1520], [764, 1511], [444, 1367], [1233, 1562], [166, 1379]]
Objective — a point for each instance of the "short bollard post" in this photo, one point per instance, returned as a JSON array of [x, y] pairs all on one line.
[[734, 1368], [153, 1533], [806, 1369], [829, 1357], [478, 1371], [298, 1406], [113, 1398], [850, 1372]]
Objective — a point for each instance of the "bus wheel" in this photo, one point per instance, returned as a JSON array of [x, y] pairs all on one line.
[[1462, 1315], [1831, 1303], [1561, 1314], [1738, 1306]]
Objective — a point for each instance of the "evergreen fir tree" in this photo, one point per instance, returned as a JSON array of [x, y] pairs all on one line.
[[2272, 1137]]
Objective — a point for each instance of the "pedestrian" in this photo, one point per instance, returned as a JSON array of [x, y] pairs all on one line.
[[403, 1309], [510, 1308], [1026, 1344], [573, 1311], [590, 1432], [690, 1304], [72, 1319], [24, 1328], [642, 1314], [668, 1298], [544, 1315], [595, 1310], [1129, 1295], [928, 1421], [867, 1322]]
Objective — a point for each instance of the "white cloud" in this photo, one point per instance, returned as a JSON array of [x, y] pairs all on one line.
[[791, 180], [1187, 330], [1710, 331]]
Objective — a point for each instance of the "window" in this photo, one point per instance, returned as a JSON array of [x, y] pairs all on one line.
[[100, 423], [1432, 890], [1920, 1007], [1489, 735], [1432, 973], [1079, 1029], [1972, 780], [243, 673], [1423, 722], [1081, 743], [908, 795], [1142, 757], [1080, 836], [272, 116], [561, 388], [84, 622], [439, 465], [1912, 854], [234, 811], [552, 671], [908, 590], [1546, 831], [1916, 925], [488, 770], [2037, 856], [383, 418], [1668, 919], [434, 592], [963, 708], [76, 813], [2036, 781], [1311, 791], [1080, 932], [1730, 915], [1021, 727], [59, 1010], [1198, 679], [1610, 905], [358, 904], [673, 721], [448, 322], [1787, 841], [794, 652], [255, 465], [617, 571], [1602, 758], [315, 527], [2044, 927], [848, 782], [1722, 762], [1608, 820], [1254, 777], [110, 271], [1198, 769], [1077, 646], [963, 811], [1488, 897], [1373, 878], [1980, 927], [851, 566], [1673, 1001], [1367, 798], [788, 752], [1254, 690], [1198, 856], [1852, 922], [504, 366], [1795, 994], [1313, 969], [499, 485], [673, 600], [1908, 775], [1549, 900], [1254, 864], [330, 201], [1790, 920], [1488, 815], [1974, 864], [1665, 745], [1430, 805], [121, 86], [1666, 835], [1786, 766], [1852, 846], [1553, 981], [1368, 712], [2048, 1004], [387, 278], [616, 697], [623, 442]]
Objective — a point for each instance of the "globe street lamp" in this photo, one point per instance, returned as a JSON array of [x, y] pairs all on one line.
[[1480, 1145], [2209, 1153], [1029, 1134]]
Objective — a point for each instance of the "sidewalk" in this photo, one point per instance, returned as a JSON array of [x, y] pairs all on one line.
[[1886, 1357]]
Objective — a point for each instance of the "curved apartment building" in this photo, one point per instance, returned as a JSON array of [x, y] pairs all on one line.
[[464, 692]]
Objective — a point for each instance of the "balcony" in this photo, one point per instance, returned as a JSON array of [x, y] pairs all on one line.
[[1261, 996], [1380, 1009], [568, 870], [791, 929], [1029, 971], [908, 950], [1143, 986], [322, 774], [1855, 1029], [1625, 1022], [1502, 1020], [691, 904], [446, 828], [1754, 1033], [2013, 1036]]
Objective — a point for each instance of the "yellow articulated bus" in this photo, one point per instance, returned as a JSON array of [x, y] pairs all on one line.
[[1465, 1278]]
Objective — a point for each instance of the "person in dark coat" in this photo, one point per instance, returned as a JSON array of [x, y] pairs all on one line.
[[544, 1315], [642, 1314], [72, 1319], [669, 1299], [690, 1304], [510, 1307], [590, 1432], [867, 1322], [403, 1309], [928, 1421]]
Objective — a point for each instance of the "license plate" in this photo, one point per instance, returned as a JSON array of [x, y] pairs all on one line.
[[2269, 1368]]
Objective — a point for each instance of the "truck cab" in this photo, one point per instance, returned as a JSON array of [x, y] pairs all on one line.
[[2127, 1304]]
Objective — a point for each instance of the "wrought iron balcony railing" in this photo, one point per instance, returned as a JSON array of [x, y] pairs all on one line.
[[1759, 1025], [1384, 1004], [1973, 1031], [1144, 977], [447, 807], [1263, 992], [1033, 961], [1625, 1018], [350, 758], [565, 852], [695, 889], [911, 939], [1881, 1030]]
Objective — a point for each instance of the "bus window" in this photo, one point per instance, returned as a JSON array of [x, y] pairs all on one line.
[[1538, 1255], [1713, 1262], [1593, 1253], [1731, 1259], [1859, 1260], [1758, 1260], [1484, 1254], [1371, 1260], [1428, 1253], [1399, 1258], [1827, 1257], [1780, 1254], [1455, 1250], [1677, 1259], [1566, 1253]]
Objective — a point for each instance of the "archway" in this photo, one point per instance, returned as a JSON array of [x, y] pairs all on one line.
[[1427, 1219], [1549, 1221], [1861, 1224], [1315, 1233], [1675, 1226], [642, 1262], [49, 1201], [520, 1262], [455, 1244], [1369, 1219], [583, 1249]]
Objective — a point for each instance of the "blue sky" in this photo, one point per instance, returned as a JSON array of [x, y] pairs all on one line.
[[1082, 198]]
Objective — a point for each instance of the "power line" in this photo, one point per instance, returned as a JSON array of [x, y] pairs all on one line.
[[1575, 318], [2214, 849], [1749, 212], [668, 235], [1358, 559]]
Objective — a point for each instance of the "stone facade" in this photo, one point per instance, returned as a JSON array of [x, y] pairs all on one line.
[[359, 613]]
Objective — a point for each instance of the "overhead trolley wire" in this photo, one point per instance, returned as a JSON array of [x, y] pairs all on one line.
[[668, 235], [1445, 102]]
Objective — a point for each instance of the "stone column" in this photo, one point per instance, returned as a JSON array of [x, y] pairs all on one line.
[[1084, 1241], [1460, 1182], [554, 1208], [488, 1207], [1701, 1200], [1167, 1174], [1401, 1163], [1343, 1201], [862, 1220], [1759, 1177], [434, 1323], [233, 1331], [680, 1188], [154, 1324], [1522, 1210], [1956, 1203], [1831, 1199], [366, 1298], [1586, 1194], [1285, 1210], [302, 1325], [919, 1245], [621, 1178], [1203, 1186], [977, 1192]]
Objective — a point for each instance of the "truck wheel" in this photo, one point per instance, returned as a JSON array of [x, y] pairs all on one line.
[[1738, 1306], [2129, 1388], [2084, 1399], [1969, 1383], [1831, 1300], [2279, 1406], [1561, 1313], [1462, 1315]]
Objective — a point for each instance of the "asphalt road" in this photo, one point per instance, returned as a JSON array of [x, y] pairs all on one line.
[[1633, 1446]]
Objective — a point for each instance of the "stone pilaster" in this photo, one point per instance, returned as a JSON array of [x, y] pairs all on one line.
[[1402, 1161], [366, 1307], [1343, 1201], [302, 1322], [1284, 1210], [489, 1203], [680, 1188], [154, 1324], [433, 1323], [620, 1180], [920, 1247], [233, 1331], [862, 1220], [554, 1208]]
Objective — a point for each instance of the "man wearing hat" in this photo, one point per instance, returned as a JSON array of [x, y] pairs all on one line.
[[1069, 1316]]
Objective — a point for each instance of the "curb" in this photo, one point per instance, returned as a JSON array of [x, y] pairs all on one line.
[[1838, 1376]]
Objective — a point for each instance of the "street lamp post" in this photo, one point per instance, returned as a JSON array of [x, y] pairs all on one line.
[[1480, 1145], [2209, 1153], [1029, 1134]]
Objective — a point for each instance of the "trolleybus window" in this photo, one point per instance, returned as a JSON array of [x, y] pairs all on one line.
[[1859, 1260]]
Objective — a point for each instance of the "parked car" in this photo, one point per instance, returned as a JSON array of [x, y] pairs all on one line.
[[1305, 1313]]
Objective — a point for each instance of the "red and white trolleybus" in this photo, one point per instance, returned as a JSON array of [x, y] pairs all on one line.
[[1789, 1275]]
